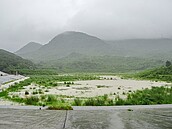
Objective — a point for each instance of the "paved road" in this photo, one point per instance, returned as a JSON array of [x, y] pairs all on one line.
[[155, 117]]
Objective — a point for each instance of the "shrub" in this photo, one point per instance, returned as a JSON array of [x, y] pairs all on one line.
[[99, 101], [51, 98], [67, 85], [40, 91], [156, 95], [77, 102], [26, 93], [46, 90], [60, 106], [35, 92], [33, 100]]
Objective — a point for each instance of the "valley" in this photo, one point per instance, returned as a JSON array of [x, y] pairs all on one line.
[[91, 72], [85, 64]]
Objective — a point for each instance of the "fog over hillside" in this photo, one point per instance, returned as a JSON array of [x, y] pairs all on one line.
[[99, 35], [29, 48], [40, 21], [70, 42], [142, 47]]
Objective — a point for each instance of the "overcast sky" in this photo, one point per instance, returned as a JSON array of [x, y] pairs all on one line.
[[22, 21]]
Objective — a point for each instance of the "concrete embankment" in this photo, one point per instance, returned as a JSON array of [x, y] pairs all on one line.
[[116, 117]]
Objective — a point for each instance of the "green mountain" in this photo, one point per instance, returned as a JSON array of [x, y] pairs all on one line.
[[10, 62], [162, 73], [29, 48], [115, 64], [70, 42], [76, 52]]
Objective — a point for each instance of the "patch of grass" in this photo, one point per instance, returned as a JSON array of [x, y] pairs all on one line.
[[77, 102], [46, 90], [3, 93], [51, 80], [40, 91], [60, 106], [51, 98], [96, 101], [67, 85], [102, 86], [129, 110], [33, 100], [35, 92], [156, 95], [157, 74]]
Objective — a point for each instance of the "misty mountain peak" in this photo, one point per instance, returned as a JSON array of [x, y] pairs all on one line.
[[74, 38], [74, 34], [28, 48]]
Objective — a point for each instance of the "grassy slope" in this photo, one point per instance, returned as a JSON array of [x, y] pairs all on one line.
[[10, 62], [161, 74]]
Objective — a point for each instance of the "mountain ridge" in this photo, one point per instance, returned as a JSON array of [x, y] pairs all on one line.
[[29, 47], [69, 42]]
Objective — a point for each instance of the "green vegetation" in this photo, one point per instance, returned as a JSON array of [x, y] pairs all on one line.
[[52, 80], [95, 101], [156, 95], [102, 86], [37, 71], [158, 74], [9, 62], [53, 101], [101, 64], [16, 87], [60, 106]]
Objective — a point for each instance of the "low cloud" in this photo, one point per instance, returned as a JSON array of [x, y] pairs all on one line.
[[40, 20]]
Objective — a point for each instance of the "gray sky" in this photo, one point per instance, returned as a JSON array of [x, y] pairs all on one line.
[[22, 21]]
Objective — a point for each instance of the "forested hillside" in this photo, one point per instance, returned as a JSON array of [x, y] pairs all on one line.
[[163, 73], [9, 62]]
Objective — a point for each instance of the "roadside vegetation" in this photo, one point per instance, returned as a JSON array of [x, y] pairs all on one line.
[[94, 101]]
